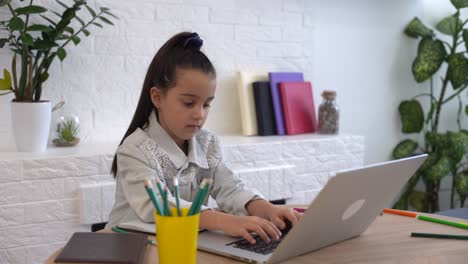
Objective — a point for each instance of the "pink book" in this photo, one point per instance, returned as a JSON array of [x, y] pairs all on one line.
[[298, 107]]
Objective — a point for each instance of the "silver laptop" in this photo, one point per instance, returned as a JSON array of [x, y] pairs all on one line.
[[346, 206]]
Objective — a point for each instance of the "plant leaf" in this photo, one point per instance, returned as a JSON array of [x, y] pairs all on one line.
[[417, 200], [459, 3], [456, 146], [438, 170], [106, 20], [3, 41], [449, 25], [86, 32], [41, 44], [431, 54], [44, 76], [412, 116], [61, 53], [80, 20], [27, 39], [110, 14], [461, 183], [458, 69], [70, 30], [96, 24], [466, 110], [404, 149], [91, 11], [416, 28], [5, 83], [76, 40], [38, 27], [32, 9], [16, 23], [49, 20], [62, 4], [4, 2]]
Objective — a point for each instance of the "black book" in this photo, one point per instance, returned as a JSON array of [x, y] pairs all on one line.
[[264, 109], [86, 247]]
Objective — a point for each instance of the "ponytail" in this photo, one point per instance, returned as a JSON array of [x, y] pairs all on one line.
[[182, 51]]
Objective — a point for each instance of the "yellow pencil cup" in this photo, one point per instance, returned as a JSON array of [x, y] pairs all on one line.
[[177, 237]]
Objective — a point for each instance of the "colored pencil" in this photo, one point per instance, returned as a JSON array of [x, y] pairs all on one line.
[[439, 236], [118, 230], [176, 194], [205, 190], [300, 210], [197, 198], [400, 212], [166, 208], [150, 191], [443, 222]]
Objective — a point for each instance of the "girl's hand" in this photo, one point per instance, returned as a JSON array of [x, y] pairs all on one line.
[[278, 214], [242, 226], [275, 213]]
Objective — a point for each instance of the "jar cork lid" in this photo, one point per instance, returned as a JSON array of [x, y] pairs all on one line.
[[329, 94]]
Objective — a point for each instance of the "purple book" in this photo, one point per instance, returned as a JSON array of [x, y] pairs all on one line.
[[275, 79]]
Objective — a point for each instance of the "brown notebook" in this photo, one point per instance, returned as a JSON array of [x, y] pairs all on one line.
[[87, 247]]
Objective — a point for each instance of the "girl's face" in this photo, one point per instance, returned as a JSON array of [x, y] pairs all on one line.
[[183, 109]]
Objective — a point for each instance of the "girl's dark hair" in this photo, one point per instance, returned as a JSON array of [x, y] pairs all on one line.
[[182, 51]]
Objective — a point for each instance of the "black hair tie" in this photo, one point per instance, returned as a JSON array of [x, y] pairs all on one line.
[[193, 41]]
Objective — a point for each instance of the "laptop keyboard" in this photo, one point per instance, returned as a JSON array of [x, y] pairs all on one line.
[[260, 246]]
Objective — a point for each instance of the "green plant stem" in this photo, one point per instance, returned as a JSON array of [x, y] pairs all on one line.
[[461, 89], [433, 99], [444, 85], [452, 193], [460, 106], [27, 17]]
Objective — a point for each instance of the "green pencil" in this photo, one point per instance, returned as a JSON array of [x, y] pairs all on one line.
[[118, 230], [176, 194], [150, 191], [443, 222], [166, 209], [197, 198], [206, 189], [439, 236]]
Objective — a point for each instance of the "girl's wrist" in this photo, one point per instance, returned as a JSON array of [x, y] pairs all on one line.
[[259, 207]]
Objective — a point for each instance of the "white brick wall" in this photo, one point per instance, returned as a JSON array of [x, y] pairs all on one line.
[[40, 194], [101, 79]]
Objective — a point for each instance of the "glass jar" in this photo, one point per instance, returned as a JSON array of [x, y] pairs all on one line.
[[329, 114], [66, 130]]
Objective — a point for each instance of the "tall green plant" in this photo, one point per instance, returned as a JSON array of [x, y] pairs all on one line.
[[447, 151], [36, 46]]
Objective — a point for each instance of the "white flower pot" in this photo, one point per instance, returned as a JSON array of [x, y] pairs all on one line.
[[31, 124]]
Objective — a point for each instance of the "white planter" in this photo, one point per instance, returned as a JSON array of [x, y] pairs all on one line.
[[31, 124]]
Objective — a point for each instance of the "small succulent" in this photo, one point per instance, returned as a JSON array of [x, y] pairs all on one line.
[[67, 131]]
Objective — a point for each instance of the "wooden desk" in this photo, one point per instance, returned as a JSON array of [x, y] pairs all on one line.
[[387, 241]]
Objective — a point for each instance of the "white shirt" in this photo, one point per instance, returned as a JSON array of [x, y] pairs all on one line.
[[151, 152]]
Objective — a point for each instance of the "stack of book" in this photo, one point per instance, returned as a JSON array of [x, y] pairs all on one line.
[[276, 103]]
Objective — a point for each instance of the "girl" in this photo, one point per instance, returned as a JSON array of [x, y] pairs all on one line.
[[165, 138]]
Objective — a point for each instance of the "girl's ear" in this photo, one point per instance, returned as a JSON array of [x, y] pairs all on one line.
[[155, 95]]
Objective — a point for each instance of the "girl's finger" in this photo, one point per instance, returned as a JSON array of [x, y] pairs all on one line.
[[270, 229], [291, 216], [259, 230], [279, 222], [247, 236]]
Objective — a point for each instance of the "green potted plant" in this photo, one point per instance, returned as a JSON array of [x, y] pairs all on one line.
[[447, 150], [35, 47]]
